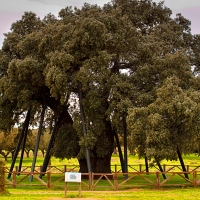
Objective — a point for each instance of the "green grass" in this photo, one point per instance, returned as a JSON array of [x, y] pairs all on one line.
[[192, 160], [139, 194], [127, 191]]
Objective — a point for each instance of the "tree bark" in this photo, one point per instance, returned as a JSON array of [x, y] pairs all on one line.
[[98, 164], [84, 126], [146, 164], [182, 162], [160, 167], [15, 153], [38, 140], [119, 149]]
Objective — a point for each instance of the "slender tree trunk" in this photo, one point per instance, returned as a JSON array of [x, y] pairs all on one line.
[[125, 147], [64, 117], [119, 149], [24, 144], [146, 164], [182, 162], [84, 128], [19, 142], [160, 167], [37, 141], [48, 156]]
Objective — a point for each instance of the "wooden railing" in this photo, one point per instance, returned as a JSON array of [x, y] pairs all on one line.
[[153, 168], [51, 168], [114, 168], [112, 181]]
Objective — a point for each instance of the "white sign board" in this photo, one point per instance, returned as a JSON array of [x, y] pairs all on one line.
[[72, 177]]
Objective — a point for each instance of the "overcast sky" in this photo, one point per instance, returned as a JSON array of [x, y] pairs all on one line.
[[12, 10]]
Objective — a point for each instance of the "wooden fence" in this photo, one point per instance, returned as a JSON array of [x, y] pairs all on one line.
[[114, 168], [112, 181]]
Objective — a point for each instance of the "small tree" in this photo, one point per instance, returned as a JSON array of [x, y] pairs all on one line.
[[7, 143], [44, 141], [30, 142]]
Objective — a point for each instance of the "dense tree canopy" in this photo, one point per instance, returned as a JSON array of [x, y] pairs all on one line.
[[170, 122], [121, 54]]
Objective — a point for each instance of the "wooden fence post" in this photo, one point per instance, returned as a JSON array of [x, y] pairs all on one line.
[[92, 182], [115, 168], [65, 168], [158, 180], [79, 190], [140, 167], [14, 180], [115, 181], [164, 167], [48, 179], [195, 178], [65, 189], [188, 168]]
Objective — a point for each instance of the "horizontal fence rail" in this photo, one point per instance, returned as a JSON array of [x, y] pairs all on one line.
[[51, 168], [114, 168], [111, 181]]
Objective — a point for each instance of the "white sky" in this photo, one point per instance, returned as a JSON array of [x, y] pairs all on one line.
[[12, 10]]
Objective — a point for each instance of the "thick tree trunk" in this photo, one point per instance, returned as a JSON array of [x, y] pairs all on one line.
[[98, 165]]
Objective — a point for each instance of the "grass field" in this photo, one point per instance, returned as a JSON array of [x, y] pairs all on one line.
[[192, 160], [139, 194], [22, 193]]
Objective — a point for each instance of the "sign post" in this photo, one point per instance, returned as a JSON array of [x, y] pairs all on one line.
[[74, 177]]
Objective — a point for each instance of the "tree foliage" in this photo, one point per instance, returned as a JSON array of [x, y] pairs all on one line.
[[171, 121], [8, 143]]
